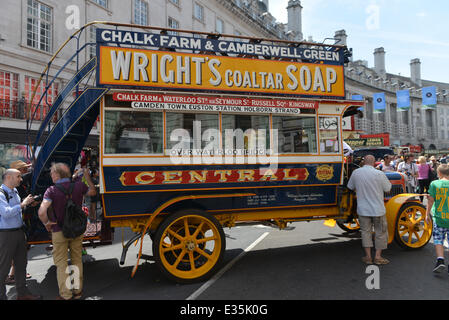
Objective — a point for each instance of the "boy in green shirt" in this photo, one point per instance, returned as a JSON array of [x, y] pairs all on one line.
[[438, 206]]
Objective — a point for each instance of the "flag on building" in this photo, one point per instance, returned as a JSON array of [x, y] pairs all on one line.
[[403, 100], [429, 97], [358, 97], [379, 102]]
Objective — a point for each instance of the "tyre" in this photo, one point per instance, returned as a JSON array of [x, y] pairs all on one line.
[[411, 231], [188, 246], [349, 226]]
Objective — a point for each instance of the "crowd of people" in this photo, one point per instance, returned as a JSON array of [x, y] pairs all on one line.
[[419, 172], [427, 176]]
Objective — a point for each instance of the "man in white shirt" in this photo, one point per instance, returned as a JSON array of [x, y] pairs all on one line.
[[370, 185]]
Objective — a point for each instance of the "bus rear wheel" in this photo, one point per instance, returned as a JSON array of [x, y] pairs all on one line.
[[189, 245]]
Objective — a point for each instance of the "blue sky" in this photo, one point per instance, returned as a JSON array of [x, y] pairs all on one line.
[[407, 29]]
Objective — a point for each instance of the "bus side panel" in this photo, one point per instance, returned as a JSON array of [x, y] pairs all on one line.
[[140, 190], [118, 205], [217, 177]]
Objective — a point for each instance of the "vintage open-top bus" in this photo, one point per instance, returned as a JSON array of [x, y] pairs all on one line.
[[202, 131]]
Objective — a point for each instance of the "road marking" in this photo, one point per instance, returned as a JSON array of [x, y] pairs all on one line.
[[218, 275]]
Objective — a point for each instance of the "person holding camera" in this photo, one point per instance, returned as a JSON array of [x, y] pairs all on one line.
[[411, 172], [13, 243], [23, 190], [387, 164]]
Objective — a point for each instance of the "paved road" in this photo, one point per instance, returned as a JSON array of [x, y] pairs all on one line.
[[312, 261]]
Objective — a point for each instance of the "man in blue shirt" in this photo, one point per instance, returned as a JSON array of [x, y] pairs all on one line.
[[13, 244]]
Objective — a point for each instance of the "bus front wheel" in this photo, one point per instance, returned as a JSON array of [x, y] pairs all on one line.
[[412, 231]]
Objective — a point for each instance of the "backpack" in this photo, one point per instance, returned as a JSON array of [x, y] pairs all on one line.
[[6, 194], [75, 220]]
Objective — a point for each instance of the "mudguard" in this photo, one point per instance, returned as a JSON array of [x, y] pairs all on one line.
[[392, 209]]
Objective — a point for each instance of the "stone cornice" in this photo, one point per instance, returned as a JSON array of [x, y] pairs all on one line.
[[246, 17], [40, 64]]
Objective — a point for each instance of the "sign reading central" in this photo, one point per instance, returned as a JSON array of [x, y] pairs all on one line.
[[136, 178], [148, 68]]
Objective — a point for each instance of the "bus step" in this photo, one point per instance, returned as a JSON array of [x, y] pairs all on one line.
[[147, 257]]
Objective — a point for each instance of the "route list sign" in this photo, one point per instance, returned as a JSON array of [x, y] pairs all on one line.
[[329, 55], [213, 104]]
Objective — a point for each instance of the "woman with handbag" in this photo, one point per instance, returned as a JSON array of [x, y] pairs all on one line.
[[424, 176]]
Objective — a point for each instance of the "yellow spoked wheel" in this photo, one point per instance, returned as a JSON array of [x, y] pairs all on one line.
[[412, 231], [349, 226], [189, 245]]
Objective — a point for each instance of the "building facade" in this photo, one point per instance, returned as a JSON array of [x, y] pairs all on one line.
[[416, 126], [31, 31]]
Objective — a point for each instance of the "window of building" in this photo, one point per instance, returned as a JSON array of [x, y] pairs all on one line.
[[52, 94], [393, 113], [140, 12], [198, 12], [189, 131], [175, 2], [329, 135], [405, 116], [381, 116], [219, 26], [244, 132], [295, 134], [173, 24], [135, 132], [103, 3], [9, 94], [39, 25]]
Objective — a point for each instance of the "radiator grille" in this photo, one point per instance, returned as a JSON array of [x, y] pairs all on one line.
[[395, 190]]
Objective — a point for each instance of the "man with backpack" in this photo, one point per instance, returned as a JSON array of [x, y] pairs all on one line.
[[67, 224]]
